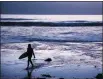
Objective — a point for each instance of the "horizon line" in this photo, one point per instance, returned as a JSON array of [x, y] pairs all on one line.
[[46, 14]]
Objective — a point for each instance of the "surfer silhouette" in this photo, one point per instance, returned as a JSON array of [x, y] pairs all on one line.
[[30, 52]]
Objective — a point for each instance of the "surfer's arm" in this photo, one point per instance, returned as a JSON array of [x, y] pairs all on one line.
[[33, 54]]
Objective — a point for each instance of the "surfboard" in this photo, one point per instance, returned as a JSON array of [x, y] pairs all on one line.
[[23, 55]]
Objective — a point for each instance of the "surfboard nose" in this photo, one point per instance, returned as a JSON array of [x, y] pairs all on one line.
[[23, 55]]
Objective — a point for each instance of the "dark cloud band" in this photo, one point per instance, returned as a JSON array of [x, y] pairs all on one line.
[[77, 8]]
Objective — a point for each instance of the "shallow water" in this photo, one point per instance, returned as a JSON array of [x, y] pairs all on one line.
[[69, 60]]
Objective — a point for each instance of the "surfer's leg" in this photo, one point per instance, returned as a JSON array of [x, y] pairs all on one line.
[[31, 62], [27, 64], [28, 61]]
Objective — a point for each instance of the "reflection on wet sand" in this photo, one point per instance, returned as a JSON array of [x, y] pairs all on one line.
[[29, 74]]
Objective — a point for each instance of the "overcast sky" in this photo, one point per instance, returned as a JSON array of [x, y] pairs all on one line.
[[81, 8]]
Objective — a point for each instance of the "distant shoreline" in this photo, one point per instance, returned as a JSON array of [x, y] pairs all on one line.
[[51, 24]]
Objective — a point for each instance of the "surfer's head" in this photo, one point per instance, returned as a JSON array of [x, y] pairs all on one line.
[[29, 45]]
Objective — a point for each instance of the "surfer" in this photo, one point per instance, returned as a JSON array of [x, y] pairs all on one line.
[[30, 52]]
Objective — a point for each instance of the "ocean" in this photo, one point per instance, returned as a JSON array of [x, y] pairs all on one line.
[[47, 33]]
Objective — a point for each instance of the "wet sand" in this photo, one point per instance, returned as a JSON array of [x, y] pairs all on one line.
[[69, 60]]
